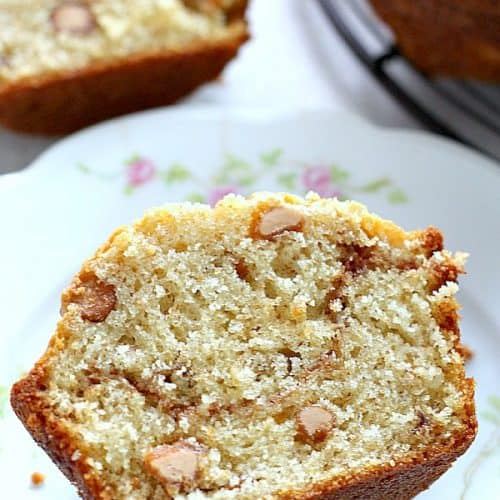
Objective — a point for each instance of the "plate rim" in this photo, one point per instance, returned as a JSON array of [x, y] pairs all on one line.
[[207, 112]]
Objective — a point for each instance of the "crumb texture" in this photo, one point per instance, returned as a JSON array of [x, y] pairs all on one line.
[[258, 349]]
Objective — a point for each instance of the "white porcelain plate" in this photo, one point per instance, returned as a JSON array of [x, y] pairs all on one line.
[[55, 213]]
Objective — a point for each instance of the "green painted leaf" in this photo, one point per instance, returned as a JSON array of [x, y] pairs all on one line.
[[271, 158], [236, 164], [176, 173], [132, 159], [287, 180], [397, 196], [83, 168], [128, 189], [491, 416], [221, 178], [195, 198], [247, 180], [377, 185], [4, 396], [338, 174], [494, 401]]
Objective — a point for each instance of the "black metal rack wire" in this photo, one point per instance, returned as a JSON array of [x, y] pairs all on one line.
[[466, 111]]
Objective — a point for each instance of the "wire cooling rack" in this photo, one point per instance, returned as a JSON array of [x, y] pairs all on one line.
[[466, 111]]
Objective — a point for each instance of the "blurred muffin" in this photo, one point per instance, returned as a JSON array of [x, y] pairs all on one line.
[[67, 64]]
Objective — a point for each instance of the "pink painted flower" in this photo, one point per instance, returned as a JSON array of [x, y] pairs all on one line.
[[139, 171], [317, 179], [314, 177], [219, 192]]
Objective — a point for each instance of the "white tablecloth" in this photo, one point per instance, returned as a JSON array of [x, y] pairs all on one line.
[[295, 59]]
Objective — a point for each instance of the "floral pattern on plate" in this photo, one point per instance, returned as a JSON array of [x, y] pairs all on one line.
[[237, 175]]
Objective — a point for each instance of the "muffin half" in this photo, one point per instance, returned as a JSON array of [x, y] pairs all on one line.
[[270, 347], [65, 64]]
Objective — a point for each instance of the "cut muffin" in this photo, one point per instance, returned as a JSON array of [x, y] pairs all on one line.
[[65, 64], [453, 38], [270, 347]]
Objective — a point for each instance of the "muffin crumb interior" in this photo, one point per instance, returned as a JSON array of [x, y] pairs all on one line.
[[267, 363]]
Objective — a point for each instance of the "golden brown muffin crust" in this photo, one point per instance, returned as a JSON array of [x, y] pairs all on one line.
[[62, 103]]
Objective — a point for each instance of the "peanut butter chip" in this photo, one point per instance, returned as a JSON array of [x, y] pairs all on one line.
[[95, 298], [174, 465], [279, 219], [314, 423], [74, 18]]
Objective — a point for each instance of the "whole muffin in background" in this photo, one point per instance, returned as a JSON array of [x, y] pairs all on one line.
[[271, 347], [455, 38], [65, 64]]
